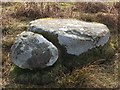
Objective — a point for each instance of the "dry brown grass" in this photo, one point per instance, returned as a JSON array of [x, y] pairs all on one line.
[[16, 16], [92, 76], [94, 7], [34, 10], [108, 19]]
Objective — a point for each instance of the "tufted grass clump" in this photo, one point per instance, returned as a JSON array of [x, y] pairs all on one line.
[[7, 42], [33, 10], [91, 76], [91, 7], [108, 19]]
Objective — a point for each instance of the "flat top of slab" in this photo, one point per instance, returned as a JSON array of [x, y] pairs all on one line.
[[71, 26]]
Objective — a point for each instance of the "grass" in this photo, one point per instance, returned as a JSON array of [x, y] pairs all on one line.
[[92, 76], [67, 65], [96, 68], [91, 7], [37, 77]]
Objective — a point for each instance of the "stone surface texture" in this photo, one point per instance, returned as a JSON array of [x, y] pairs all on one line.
[[74, 35], [32, 50]]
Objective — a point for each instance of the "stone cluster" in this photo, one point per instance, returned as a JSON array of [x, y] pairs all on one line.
[[32, 50]]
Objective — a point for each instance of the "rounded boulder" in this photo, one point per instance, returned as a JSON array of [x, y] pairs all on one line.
[[32, 50]]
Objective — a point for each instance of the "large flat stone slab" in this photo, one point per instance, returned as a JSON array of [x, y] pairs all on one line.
[[32, 50], [74, 35]]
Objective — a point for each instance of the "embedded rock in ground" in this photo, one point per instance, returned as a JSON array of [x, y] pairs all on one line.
[[73, 35], [33, 51]]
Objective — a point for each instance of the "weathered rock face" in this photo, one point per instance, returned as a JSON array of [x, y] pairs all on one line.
[[74, 35], [33, 51]]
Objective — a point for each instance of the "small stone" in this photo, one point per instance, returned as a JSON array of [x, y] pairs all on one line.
[[32, 50]]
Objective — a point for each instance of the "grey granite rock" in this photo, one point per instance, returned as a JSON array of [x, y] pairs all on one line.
[[74, 35], [32, 50]]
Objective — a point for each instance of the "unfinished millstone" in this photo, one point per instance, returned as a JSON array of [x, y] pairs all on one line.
[[33, 51], [73, 35]]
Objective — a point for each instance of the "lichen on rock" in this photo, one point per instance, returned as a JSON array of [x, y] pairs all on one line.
[[75, 36], [33, 51]]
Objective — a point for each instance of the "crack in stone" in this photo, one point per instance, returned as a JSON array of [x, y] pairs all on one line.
[[74, 32]]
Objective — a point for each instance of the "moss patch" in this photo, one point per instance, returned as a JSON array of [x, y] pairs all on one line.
[[37, 76]]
